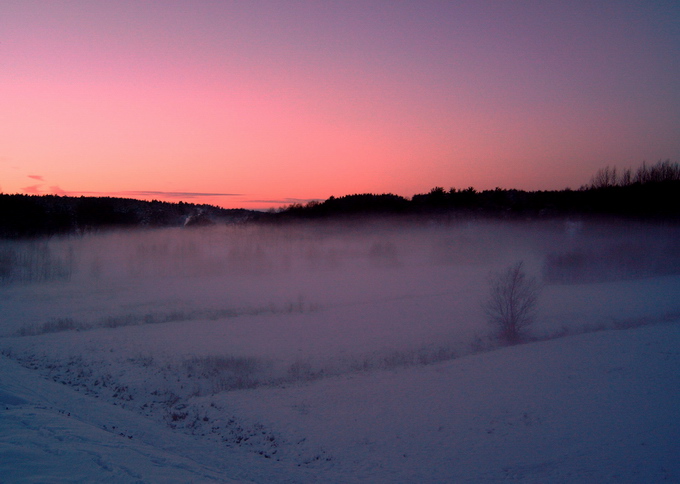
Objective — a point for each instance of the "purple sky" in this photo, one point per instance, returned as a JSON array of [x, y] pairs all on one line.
[[255, 103]]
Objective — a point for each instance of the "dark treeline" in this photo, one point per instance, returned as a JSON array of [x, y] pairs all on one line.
[[649, 200], [44, 215], [651, 192]]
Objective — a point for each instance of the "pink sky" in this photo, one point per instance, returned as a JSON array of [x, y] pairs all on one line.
[[258, 104]]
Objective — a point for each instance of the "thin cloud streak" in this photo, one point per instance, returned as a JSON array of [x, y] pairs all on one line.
[[33, 189], [285, 200], [135, 193], [177, 194], [57, 190]]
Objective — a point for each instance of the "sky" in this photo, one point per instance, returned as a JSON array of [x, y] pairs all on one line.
[[259, 104]]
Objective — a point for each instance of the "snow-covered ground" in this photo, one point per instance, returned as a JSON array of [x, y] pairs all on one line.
[[597, 407], [355, 353]]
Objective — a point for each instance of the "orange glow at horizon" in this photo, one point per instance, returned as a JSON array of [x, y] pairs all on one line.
[[260, 106]]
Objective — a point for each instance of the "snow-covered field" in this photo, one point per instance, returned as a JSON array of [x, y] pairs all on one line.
[[339, 353]]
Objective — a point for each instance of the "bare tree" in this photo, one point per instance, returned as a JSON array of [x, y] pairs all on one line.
[[604, 178], [511, 306], [626, 178], [660, 172]]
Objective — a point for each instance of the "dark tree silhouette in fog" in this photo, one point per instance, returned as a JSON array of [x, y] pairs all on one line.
[[511, 306]]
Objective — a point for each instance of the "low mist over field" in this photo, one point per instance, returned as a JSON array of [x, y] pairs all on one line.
[[330, 290], [173, 323]]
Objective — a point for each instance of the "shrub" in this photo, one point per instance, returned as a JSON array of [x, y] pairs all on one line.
[[511, 306]]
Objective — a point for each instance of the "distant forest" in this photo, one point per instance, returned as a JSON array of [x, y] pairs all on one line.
[[650, 192], [24, 216]]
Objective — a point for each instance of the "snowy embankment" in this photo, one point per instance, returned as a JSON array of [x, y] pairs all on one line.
[[598, 407]]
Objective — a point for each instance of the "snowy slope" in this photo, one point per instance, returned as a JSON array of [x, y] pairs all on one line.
[[599, 407], [52, 433]]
